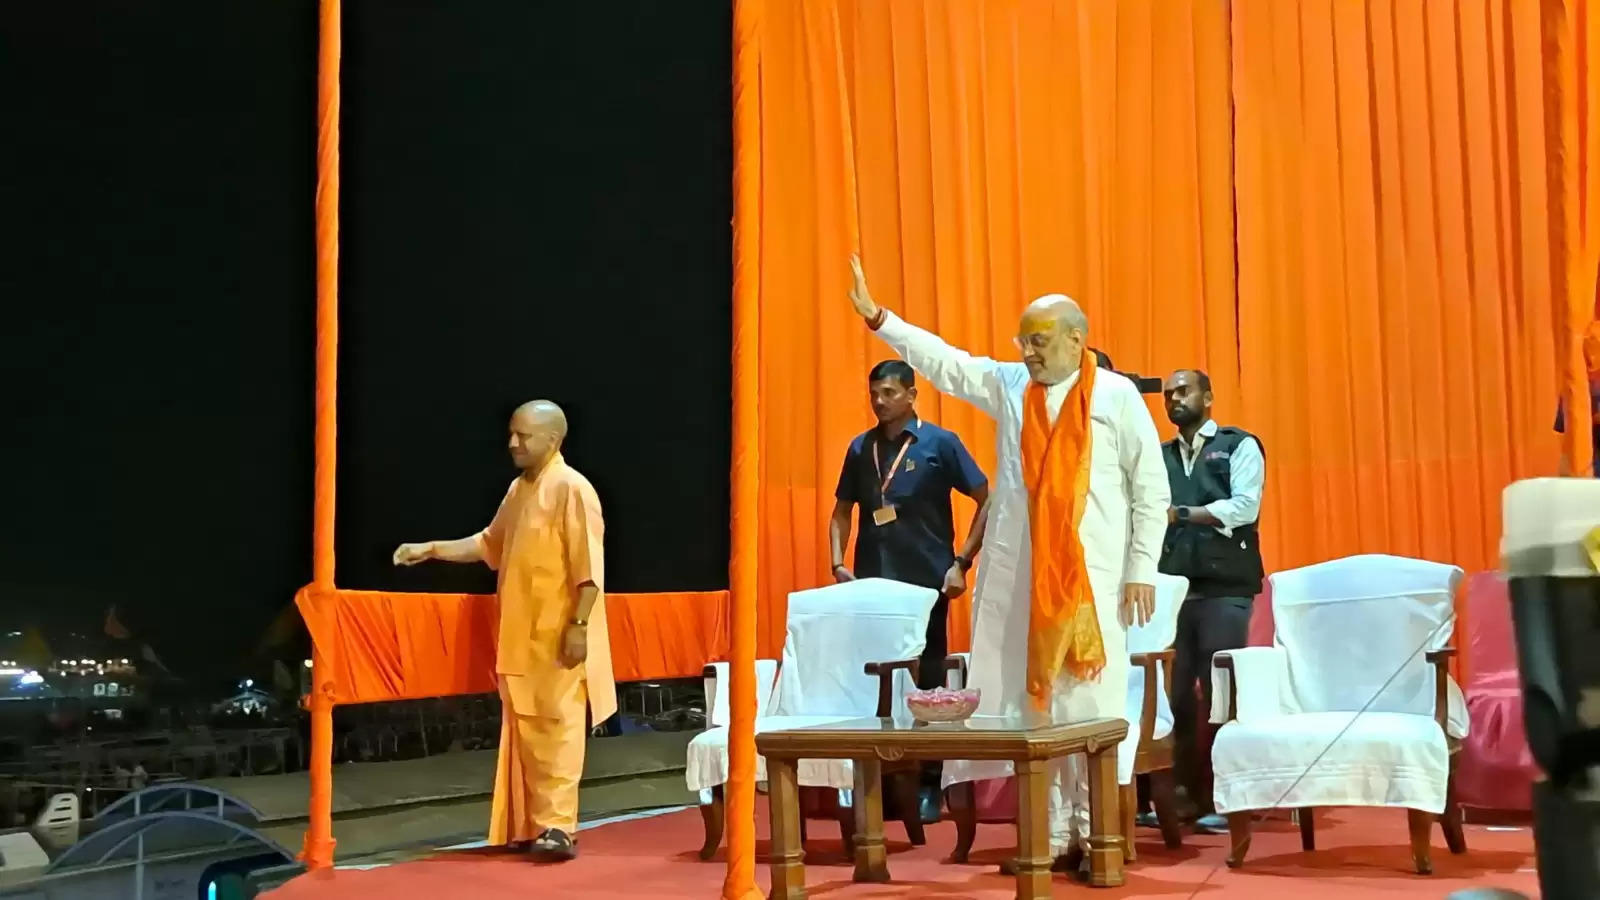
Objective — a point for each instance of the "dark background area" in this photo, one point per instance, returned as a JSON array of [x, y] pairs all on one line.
[[536, 204]]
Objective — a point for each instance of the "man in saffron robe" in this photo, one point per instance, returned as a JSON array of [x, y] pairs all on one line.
[[553, 656], [1077, 513]]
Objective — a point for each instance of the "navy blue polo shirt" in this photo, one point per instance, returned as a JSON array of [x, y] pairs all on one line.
[[919, 545]]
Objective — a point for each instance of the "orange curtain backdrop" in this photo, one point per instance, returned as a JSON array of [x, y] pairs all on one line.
[[1572, 28], [982, 152], [1395, 298], [390, 646]]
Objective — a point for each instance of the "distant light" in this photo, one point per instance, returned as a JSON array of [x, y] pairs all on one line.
[[249, 682], [308, 663], [13, 634], [88, 662], [211, 891], [11, 671], [31, 678], [72, 662], [124, 662]]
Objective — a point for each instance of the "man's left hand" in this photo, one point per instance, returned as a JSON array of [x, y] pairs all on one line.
[[1138, 603], [955, 581], [574, 645]]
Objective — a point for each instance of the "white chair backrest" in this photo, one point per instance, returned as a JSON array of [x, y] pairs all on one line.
[[1162, 629], [834, 631], [720, 712], [1356, 632]]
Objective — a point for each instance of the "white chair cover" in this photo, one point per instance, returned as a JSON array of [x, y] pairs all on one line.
[[1339, 712], [833, 632], [1154, 636], [716, 687]]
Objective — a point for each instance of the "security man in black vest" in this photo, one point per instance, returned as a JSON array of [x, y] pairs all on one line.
[[1216, 476]]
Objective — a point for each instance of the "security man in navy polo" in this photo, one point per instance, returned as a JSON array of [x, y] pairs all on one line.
[[1216, 474], [899, 477]]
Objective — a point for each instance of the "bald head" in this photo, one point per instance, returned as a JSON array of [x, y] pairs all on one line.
[[1051, 336], [1059, 309], [537, 429]]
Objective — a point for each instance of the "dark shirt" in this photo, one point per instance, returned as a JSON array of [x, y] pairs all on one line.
[[1594, 409], [919, 545]]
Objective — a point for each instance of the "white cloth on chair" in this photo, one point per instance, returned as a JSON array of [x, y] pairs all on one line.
[[1152, 637], [1340, 711], [833, 632]]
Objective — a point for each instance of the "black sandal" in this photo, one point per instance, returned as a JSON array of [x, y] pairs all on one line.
[[555, 845]]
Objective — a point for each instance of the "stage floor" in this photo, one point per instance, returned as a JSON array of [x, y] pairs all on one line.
[[1362, 853]]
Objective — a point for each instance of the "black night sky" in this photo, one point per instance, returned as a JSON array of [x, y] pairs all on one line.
[[536, 203]]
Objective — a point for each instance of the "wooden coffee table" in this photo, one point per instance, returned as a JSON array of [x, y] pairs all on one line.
[[1028, 742]]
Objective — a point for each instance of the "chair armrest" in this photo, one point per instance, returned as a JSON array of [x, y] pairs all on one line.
[[1151, 664], [957, 664], [1247, 683], [884, 672], [1440, 659]]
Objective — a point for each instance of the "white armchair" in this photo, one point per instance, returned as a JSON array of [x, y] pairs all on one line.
[[1353, 705], [848, 653]]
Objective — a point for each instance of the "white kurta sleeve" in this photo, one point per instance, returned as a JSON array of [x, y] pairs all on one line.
[[1246, 472], [1149, 494], [954, 372]]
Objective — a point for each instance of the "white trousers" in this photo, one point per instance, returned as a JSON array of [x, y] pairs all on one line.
[[1076, 701], [1000, 671]]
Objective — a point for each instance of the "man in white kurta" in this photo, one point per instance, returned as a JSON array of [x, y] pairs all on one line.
[[1121, 529]]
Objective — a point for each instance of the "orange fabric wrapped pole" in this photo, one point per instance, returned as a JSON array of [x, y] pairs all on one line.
[[740, 791], [318, 849]]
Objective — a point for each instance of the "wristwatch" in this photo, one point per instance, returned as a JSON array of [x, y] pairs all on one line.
[[964, 563], [1183, 514]]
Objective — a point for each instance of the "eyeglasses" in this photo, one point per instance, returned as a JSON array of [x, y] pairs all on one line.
[[1036, 341]]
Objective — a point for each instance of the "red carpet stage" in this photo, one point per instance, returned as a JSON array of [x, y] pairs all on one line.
[[1362, 853]]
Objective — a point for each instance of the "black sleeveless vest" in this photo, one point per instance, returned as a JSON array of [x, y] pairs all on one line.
[[1216, 566]]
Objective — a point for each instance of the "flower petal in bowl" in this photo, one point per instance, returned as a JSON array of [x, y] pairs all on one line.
[[943, 704]]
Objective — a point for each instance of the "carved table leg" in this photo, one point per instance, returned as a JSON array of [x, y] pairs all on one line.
[[872, 860], [1033, 829], [1105, 819], [788, 859]]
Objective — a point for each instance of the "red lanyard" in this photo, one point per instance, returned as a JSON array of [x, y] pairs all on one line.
[[883, 487]]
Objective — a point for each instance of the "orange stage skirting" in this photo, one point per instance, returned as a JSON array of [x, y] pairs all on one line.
[[390, 646]]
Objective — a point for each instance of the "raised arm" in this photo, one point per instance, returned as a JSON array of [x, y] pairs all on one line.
[[952, 371]]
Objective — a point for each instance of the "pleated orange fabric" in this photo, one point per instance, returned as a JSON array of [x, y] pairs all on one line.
[[979, 153], [1395, 271], [1572, 34]]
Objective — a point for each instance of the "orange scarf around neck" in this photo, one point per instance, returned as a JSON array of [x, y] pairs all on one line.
[[1063, 631]]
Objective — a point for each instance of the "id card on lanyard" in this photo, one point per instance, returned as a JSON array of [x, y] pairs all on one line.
[[885, 513]]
